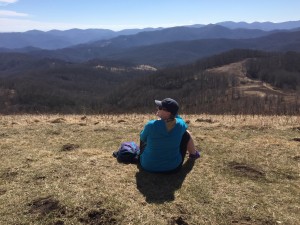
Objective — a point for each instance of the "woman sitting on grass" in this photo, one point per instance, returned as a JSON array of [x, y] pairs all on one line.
[[164, 142]]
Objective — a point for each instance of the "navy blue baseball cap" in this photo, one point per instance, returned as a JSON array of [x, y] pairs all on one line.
[[169, 105]]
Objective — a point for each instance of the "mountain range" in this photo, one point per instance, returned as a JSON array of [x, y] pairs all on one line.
[[159, 47], [56, 39], [176, 46]]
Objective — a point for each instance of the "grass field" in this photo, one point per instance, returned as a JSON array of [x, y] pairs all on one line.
[[59, 169]]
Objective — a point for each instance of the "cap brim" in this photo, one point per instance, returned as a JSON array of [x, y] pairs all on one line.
[[158, 103]]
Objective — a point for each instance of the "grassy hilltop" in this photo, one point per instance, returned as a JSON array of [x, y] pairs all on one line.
[[59, 169]]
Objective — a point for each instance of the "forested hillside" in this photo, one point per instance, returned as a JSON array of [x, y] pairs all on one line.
[[57, 86], [117, 87], [201, 90], [281, 70]]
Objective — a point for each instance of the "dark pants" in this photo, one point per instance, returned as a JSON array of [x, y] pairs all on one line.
[[183, 149], [183, 144]]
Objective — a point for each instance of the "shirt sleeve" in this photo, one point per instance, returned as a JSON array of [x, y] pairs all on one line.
[[182, 121]]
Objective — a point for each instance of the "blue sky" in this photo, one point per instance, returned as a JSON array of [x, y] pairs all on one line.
[[23, 15]]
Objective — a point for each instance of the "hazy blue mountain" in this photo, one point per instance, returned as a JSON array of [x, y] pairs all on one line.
[[104, 48], [32, 38], [172, 53], [179, 34], [56, 39], [172, 46], [77, 36], [266, 26], [281, 41]]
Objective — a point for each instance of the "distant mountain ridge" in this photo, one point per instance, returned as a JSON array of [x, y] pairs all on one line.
[[180, 34], [132, 49], [56, 39], [266, 26]]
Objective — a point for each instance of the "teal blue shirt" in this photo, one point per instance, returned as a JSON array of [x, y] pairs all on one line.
[[162, 152]]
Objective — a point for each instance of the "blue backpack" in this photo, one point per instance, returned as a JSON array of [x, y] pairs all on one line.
[[128, 152]]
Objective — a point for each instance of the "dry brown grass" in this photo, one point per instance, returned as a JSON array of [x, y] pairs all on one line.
[[59, 169]]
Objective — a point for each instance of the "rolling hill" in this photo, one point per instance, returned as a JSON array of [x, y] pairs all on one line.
[[220, 84], [232, 82]]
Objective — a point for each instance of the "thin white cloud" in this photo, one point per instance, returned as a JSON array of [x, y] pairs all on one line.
[[7, 13], [6, 2]]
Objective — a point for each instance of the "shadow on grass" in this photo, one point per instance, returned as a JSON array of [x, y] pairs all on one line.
[[160, 188]]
